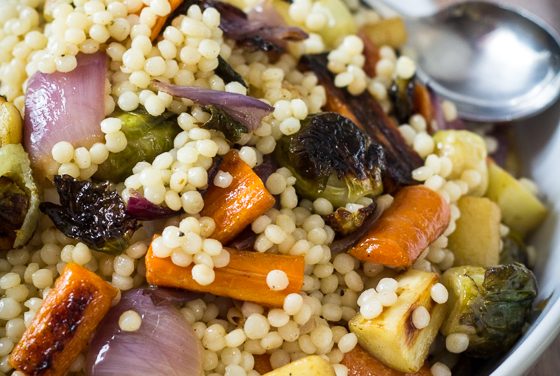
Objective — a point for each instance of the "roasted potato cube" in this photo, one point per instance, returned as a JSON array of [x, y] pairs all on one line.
[[310, 366]]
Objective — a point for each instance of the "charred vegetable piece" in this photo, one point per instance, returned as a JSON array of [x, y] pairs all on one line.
[[227, 73], [19, 198], [332, 158], [91, 213], [64, 324], [490, 305], [415, 219], [147, 137], [514, 250], [402, 94], [360, 363], [423, 103], [371, 54], [368, 115], [221, 121], [345, 222], [235, 207], [392, 337], [243, 278], [11, 125]]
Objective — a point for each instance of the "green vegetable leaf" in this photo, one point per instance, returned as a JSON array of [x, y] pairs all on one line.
[[147, 137], [227, 73], [91, 213], [345, 222], [221, 121], [514, 250]]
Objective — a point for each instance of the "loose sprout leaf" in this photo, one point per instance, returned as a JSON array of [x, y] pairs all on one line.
[[402, 94], [223, 122], [91, 213], [246, 110], [147, 136], [514, 250], [332, 158], [19, 198], [227, 73], [345, 222]]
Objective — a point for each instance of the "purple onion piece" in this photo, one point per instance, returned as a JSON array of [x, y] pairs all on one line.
[[140, 208], [244, 241], [267, 168], [165, 343], [443, 124], [247, 110]]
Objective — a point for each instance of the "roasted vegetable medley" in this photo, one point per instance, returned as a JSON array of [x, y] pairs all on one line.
[[243, 188]]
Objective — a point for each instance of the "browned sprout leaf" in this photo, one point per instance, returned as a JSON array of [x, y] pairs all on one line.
[[345, 222]]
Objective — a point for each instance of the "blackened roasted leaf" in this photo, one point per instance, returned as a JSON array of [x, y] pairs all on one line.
[[368, 115], [14, 204], [345, 222], [401, 93], [140, 208], [91, 213], [331, 158], [223, 122], [227, 73]]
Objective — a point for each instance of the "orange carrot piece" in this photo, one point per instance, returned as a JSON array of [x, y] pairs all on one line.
[[235, 207], [417, 217], [160, 21], [423, 102], [64, 324], [360, 363], [244, 278], [262, 363]]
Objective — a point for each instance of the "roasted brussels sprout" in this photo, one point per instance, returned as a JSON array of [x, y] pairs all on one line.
[[91, 213], [10, 124], [332, 158], [345, 222], [19, 198], [147, 137], [490, 305]]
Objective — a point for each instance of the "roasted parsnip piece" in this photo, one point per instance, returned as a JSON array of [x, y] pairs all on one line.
[[392, 337]]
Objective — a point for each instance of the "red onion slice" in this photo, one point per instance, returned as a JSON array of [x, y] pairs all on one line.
[[140, 208], [165, 344], [64, 107], [247, 110]]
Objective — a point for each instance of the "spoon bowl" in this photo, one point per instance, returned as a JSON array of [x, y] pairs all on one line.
[[495, 62]]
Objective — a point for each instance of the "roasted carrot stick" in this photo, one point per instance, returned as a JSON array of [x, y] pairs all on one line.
[[423, 102], [160, 21], [62, 328], [360, 363], [417, 217], [244, 278], [235, 207]]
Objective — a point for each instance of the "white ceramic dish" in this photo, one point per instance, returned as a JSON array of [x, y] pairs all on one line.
[[538, 140]]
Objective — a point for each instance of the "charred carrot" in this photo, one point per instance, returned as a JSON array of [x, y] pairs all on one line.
[[62, 328], [235, 207], [423, 102], [371, 53], [417, 217], [244, 278], [160, 21], [360, 363]]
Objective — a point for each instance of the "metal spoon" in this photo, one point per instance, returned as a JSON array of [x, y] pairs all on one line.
[[495, 62]]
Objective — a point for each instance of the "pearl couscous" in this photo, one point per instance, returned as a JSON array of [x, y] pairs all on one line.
[[275, 277]]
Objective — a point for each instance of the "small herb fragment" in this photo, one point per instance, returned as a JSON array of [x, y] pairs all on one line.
[[92, 213], [227, 73], [221, 121]]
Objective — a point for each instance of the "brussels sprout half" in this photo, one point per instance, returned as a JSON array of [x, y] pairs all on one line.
[[19, 198], [332, 158]]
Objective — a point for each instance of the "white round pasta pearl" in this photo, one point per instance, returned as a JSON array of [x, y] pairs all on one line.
[[9, 308], [371, 309], [292, 303], [130, 321], [277, 280], [256, 326], [440, 369], [202, 274], [347, 342], [62, 152], [439, 293], [457, 343], [420, 317]]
